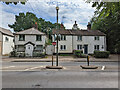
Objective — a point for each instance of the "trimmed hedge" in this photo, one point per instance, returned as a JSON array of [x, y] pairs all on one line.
[[101, 54]]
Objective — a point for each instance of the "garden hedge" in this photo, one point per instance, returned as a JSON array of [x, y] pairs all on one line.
[[101, 54]]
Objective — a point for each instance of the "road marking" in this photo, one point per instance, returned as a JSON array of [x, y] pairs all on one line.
[[32, 68], [103, 67], [8, 67]]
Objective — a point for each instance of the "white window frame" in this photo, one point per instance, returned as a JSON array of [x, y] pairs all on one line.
[[97, 38], [62, 47], [6, 39], [79, 38], [63, 37], [97, 47], [79, 47]]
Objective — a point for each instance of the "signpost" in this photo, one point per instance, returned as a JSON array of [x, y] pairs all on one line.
[[54, 43]]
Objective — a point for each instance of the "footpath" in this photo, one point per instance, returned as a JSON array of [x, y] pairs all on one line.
[[112, 58]]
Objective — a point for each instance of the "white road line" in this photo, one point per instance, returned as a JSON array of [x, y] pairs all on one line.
[[8, 67], [32, 68], [103, 67]]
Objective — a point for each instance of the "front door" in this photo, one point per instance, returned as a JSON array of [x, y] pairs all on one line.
[[85, 49], [29, 49]]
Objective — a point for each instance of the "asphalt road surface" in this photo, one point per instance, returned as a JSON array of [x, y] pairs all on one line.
[[35, 75]]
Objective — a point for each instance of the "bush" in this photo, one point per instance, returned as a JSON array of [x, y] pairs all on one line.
[[79, 53], [13, 54], [83, 56], [101, 54], [38, 54], [21, 54]]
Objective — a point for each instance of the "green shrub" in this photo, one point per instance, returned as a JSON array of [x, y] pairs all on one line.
[[38, 54], [83, 56], [13, 54], [101, 54], [21, 54], [79, 53]]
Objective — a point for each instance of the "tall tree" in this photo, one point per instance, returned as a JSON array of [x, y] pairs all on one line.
[[28, 20], [107, 19]]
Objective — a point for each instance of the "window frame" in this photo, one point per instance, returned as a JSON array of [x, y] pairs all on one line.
[[37, 38], [63, 37], [6, 39], [79, 38], [23, 36], [79, 47], [97, 38], [62, 47], [97, 47]]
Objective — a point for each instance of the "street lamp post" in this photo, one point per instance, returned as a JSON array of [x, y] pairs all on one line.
[[57, 8]]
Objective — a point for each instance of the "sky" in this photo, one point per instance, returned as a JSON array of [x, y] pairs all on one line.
[[69, 12]]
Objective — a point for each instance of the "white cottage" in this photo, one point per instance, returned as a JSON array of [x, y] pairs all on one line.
[[6, 41], [30, 40], [77, 39]]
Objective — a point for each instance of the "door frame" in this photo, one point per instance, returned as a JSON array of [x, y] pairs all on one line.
[[85, 48]]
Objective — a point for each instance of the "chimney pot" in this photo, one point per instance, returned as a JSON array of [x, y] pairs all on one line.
[[89, 26]]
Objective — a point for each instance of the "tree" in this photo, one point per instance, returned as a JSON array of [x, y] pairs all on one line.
[[15, 2], [24, 21], [28, 20], [107, 19]]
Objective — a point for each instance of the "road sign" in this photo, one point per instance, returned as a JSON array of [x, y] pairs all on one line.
[[53, 43]]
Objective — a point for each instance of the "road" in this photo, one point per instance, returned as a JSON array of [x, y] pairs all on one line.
[[34, 75]]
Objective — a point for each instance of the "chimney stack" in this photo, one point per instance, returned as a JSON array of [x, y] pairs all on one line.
[[89, 26]]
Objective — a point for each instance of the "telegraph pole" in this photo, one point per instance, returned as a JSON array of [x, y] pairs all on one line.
[[57, 8]]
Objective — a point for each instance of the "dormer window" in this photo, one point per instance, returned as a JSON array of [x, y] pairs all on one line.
[[21, 37]]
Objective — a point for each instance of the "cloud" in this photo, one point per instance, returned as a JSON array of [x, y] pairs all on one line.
[[72, 9], [6, 18]]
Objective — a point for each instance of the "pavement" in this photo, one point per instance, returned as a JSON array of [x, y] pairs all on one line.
[[112, 58]]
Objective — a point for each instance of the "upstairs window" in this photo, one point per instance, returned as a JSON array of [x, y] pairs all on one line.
[[63, 47], [96, 47], [79, 38], [21, 37], [79, 47], [63, 37], [38, 38], [96, 38], [6, 39]]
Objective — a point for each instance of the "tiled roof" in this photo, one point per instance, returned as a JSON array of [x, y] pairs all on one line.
[[31, 31], [80, 32], [5, 31]]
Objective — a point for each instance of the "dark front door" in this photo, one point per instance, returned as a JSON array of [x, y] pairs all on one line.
[[85, 49]]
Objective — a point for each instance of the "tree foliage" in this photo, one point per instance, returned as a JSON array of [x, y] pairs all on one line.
[[28, 20], [15, 2], [107, 19]]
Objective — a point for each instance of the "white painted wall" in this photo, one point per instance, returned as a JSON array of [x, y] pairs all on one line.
[[67, 42], [31, 38], [7, 45], [89, 40], [72, 42]]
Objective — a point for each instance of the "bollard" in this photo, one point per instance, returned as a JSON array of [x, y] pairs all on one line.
[[52, 60], [88, 60]]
